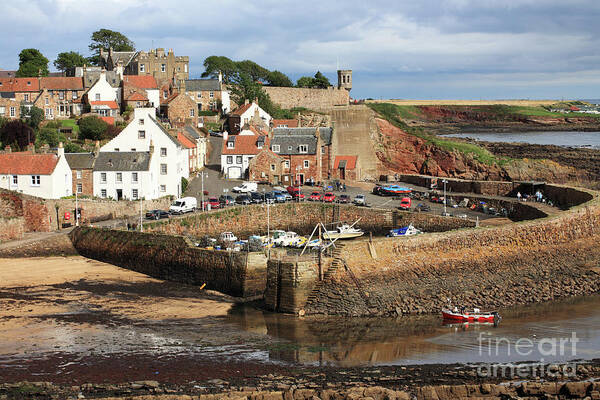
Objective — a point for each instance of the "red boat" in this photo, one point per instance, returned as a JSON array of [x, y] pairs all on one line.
[[475, 315]]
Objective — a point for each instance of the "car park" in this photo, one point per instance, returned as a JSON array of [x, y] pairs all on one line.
[[157, 214], [360, 200], [226, 200], [214, 203], [256, 197], [405, 203]]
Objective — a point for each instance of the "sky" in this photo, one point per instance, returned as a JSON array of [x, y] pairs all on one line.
[[415, 49]]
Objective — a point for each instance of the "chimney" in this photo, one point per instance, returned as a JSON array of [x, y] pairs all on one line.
[[220, 77], [96, 148], [61, 150], [246, 102], [225, 136], [31, 148], [151, 150], [8, 149]]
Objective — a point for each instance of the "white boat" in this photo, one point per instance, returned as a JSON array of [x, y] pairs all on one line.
[[284, 239], [299, 241], [344, 231], [404, 231]]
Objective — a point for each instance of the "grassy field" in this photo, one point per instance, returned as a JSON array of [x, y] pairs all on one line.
[[525, 103]]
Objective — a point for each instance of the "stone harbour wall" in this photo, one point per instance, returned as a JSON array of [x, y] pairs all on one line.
[[175, 258], [313, 99], [11, 228]]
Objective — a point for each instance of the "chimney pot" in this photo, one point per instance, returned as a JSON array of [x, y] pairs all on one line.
[[8, 149]]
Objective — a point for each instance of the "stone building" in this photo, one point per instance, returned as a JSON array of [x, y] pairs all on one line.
[[82, 168], [209, 94], [248, 114], [239, 150], [267, 167], [180, 109], [9, 107], [346, 168], [140, 91]]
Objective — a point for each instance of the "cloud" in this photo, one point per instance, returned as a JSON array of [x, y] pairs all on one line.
[[454, 47]]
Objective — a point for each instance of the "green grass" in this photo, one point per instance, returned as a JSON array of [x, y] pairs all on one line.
[[394, 113], [70, 123]]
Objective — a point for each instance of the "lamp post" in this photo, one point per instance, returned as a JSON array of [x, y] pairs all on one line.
[[76, 208], [141, 194], [445, 181], [202, 188]]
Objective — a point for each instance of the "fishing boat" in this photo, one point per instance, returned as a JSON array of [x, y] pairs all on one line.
[[394, 190], [474, 315], [404, 231], [343, 231]]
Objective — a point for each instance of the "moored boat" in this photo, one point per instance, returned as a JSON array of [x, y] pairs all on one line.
[[474, 315], [404, 231], [344, 231]]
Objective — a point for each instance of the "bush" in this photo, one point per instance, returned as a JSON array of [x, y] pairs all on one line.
[[17, 134], [184, 184], [112, 131], [71, 147], [50, 136], [92, 128]]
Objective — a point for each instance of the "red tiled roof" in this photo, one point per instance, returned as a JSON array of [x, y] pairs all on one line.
[[111, 104], [187, 143], [169, 99], [140, 81], [244, 144], [62, 83], [26, 163], [19, 85], [136, 97], [242, 109], [291, 123], [350, 161], [108, 120]]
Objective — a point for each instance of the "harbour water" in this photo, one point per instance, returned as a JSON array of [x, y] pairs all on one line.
[[565, 139], [528, 333]]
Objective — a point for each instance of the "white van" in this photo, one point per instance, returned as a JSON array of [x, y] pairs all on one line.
[[246, 187], [183, 205]]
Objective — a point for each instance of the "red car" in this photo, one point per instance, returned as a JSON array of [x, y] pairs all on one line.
[[405, 203], [214, 203], [315, 196], [295, 192], [329, 197]]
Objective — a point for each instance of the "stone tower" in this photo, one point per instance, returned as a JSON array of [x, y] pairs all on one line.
[[345, 79]]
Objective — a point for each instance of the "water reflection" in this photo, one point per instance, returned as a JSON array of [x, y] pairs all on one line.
[[425, 339]]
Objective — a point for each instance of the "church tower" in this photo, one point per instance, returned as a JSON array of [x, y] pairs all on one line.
[[345, 79]]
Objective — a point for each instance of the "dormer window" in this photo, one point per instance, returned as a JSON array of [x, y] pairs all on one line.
[[165, 94], [303, 149], [230, 145], [28, 83], [290, 148]]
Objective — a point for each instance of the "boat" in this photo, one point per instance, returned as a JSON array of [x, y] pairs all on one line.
[[394, 190], [474, 315], [404, 231], [343, 231], [298, 242]]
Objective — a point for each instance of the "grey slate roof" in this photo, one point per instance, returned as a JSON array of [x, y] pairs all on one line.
[[7, 95], [162, 128], [91, 77], [294, 137], [80, 160], [198, 85], [122, 161], [192, 132]]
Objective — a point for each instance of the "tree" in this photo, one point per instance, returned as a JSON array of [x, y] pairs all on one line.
[[105, 39], [215, 64], [305, 82], [33, 116], [67, 60], [17, 134], [321, 81], [277, 78], [71, 147], [255, 71], [92, 128], [244, 88], [32, 63], [50, 136]]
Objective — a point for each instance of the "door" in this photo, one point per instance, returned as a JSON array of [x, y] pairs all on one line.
[[300, 179], [342, 173], [119, 194], [234, 172]]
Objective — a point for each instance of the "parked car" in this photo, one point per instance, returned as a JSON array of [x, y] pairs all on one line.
[[405, 203], [422, 207], [183, 205], [278, 196], [343, 199], [269, 198], [226, 200], [288, 197], [246, 187], [257, 197], [214, 203], [329, 197], [243, 199], [315, 196], [360, 200], [295, 192], [157, 214]]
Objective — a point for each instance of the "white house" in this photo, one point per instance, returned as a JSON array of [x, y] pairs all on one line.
[[42, 175], [169, 159], [127, 175], [102, 91], [248, 114], [238, 150]]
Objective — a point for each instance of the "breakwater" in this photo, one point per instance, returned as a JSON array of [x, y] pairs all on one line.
[[175, 258]]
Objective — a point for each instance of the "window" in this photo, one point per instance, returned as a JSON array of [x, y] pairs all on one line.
[[12, 111], [275, 148], [61, 95], [211, 94], [185, 67], [199, 95], [116, 149], [134, 194], [306, 164], [165, 93], [74, 95], [2, 110], [163, 67], [79, 188], [303, 148], [26, 97], [229, 159], [322, 149], [78, 173], [46, 101], [191, 112], [238, 159], [142, 68], [163, 151], [163, 169], [290, 148], [103, 178], [141, 121], [15, 180], [103, 193], [272, 167], [163, 188], [133, 149], [35, 180], [230, 145], [141, 134], [97, 96], [49, 112], [286, 164], [119, 177], [134, 177]]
